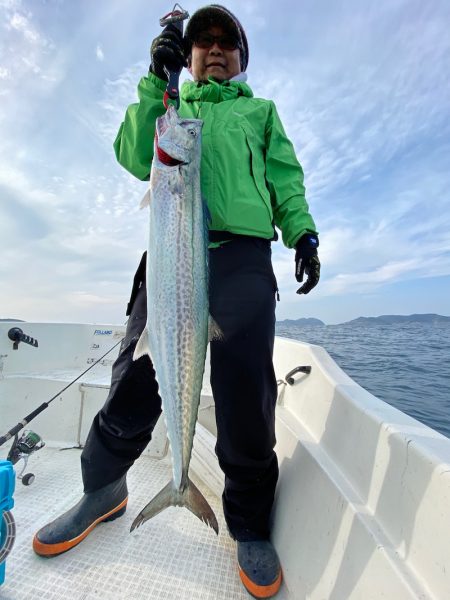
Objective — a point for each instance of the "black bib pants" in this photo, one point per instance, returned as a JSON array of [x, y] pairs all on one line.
[[242, 302]]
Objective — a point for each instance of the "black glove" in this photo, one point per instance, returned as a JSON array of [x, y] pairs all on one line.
[[307, 261], [167, 50]]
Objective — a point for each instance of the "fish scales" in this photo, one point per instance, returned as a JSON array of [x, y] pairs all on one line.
[[176, 333]]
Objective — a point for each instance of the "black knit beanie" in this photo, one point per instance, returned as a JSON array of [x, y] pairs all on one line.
[[215, 14]]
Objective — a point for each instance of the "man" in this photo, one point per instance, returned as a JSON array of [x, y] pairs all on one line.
[[251, 181]]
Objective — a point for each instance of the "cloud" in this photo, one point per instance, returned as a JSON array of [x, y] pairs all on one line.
[[99, 53], [349, 112], [363, 95], [21, 22], [118, 93], [31, 66], [371, 129], [391, 272], [67, 241]]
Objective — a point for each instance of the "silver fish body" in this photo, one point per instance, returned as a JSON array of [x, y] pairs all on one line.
[[176, 333]]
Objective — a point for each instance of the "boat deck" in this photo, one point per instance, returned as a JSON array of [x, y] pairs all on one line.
[[361, 507], [173, 556]]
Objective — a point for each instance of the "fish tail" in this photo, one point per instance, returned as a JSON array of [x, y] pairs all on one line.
[[142, 347], [190, 497]]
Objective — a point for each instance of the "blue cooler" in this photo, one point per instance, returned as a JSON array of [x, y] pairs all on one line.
[[7, 526]]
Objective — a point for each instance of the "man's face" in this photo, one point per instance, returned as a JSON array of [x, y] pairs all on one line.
[[214, 61]]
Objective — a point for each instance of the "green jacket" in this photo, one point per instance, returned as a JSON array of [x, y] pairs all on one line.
[[250, 176]]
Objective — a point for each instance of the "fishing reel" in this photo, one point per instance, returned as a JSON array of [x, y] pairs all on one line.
[[22, 448]]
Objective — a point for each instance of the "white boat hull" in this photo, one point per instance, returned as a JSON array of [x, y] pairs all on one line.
[[362, 502]]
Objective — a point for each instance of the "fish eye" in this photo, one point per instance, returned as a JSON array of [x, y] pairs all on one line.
[[192, 132]]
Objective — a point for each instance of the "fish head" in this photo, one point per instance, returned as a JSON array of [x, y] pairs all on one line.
[[177, 139]]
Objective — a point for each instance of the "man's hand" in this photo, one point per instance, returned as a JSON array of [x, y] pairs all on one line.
[[167, 50], [307, 262]]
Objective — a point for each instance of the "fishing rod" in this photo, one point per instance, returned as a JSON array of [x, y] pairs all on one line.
[[12, 432]]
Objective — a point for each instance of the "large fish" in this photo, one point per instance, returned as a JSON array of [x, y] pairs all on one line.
[[176, 333]]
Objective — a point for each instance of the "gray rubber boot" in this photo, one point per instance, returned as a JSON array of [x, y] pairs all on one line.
[[72, 527], [259, 568]]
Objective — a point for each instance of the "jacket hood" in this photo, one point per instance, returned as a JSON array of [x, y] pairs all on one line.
[[214, 91]]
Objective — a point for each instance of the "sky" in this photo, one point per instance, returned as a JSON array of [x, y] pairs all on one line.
[[362, 88]]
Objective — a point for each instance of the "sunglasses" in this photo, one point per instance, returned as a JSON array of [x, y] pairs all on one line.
[[225, 42]]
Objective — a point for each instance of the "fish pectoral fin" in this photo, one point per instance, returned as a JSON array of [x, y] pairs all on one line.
[[190, 497], [142, 347], [214, 331], [145, 199]]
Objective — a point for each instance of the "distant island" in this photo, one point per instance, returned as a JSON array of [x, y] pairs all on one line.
[[430, 319], [311, 322], [11, 320]]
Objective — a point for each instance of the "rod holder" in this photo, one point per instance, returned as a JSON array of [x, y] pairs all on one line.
[[16, 335]]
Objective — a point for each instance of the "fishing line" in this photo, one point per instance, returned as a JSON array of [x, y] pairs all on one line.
[[44, 405]]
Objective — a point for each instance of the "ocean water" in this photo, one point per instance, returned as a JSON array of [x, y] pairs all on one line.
[[406, 365]]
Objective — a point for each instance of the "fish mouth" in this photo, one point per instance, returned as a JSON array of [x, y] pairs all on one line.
[[167, 159], [172, 149]]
